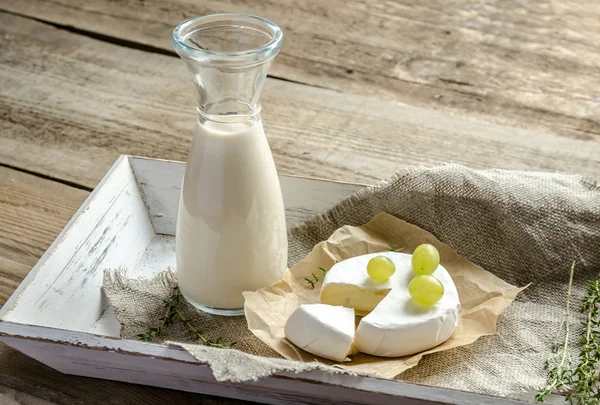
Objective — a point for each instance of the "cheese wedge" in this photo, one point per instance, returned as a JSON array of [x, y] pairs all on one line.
[[394, 324], [323, 330]]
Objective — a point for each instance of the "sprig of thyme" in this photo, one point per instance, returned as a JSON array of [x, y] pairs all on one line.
[[559, 364], [170, 304], [586, 376], [198, 334], [584, 379], [172, 308], [315, 279]]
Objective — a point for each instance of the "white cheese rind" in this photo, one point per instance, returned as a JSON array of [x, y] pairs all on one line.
[[398, 326], [324, 330]]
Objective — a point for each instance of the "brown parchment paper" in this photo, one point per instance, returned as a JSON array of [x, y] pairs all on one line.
[[483, 296]]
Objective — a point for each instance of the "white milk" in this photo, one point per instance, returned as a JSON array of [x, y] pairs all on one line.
[[231, 232]]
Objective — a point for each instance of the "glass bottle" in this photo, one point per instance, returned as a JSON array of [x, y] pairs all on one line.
[[231, 233]]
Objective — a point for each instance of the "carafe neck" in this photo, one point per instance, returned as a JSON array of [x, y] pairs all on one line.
[[228, 56], [224, 93]]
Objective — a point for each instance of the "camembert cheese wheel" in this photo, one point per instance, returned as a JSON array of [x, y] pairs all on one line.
[[394, 325]]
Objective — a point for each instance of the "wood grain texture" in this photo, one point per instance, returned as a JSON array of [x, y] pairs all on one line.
[[34, 210], [69, 105], [9, 396], [530, 64], [11, 274]]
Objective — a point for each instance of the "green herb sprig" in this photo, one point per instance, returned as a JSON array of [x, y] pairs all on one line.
[[198, 334], [171, 310], [586, 375], [170, 304], [559, 363], [584, 380], [315, 279]]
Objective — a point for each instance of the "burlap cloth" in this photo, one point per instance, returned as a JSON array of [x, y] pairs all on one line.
[[523, 227]]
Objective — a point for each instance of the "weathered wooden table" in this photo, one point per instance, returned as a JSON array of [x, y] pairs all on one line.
[[359, 90]]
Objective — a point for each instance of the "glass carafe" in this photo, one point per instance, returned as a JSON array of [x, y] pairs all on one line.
[[231, 232]]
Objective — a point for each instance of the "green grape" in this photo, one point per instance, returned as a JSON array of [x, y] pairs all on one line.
[[381, 268], [426, 289], [425, 259]]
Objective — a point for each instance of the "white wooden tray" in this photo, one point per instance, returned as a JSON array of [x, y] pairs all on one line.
[[58, 314]]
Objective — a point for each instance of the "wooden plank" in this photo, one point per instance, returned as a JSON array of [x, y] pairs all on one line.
[[11, 396], [11, 274], [534, 65], [70, 105], [34, 210]]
